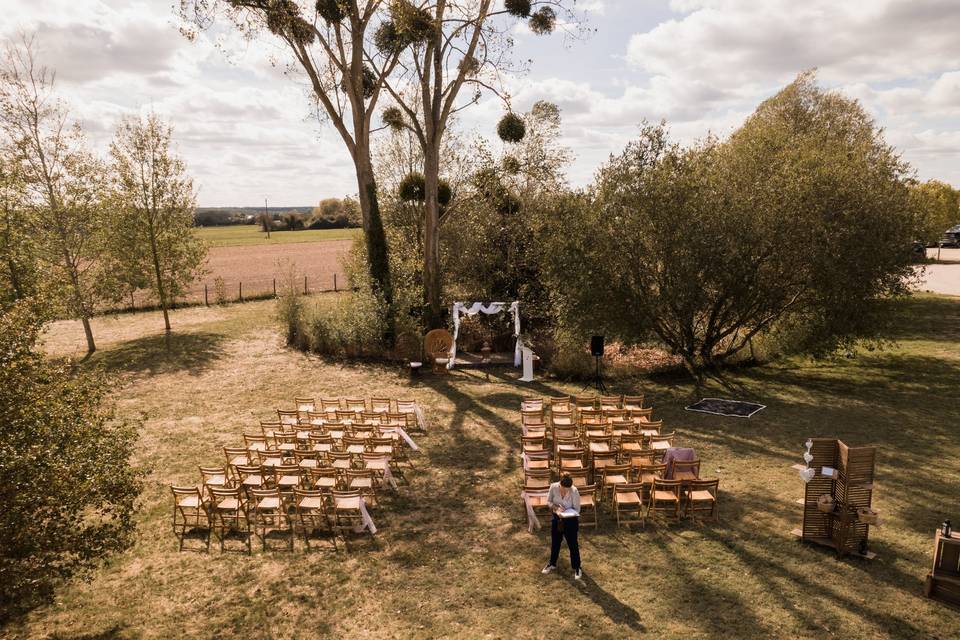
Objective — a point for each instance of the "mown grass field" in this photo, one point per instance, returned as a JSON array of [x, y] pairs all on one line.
[[250, 234], [453, 557]]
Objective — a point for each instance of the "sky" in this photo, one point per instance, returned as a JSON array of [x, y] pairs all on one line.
[[242, 119]]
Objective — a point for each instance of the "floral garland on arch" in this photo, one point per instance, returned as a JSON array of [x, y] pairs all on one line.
[[488, 309]]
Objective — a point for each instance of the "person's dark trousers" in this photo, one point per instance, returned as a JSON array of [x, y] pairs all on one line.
[[568, 530]]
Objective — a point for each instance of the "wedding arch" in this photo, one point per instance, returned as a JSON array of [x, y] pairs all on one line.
[[461, 308]]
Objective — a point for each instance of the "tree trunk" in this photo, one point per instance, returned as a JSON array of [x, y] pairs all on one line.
[[376, 239], [161, 292], [431, 241], [88, 332]]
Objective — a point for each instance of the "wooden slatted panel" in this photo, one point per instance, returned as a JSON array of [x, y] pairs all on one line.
[[854, 489], [815, 523]]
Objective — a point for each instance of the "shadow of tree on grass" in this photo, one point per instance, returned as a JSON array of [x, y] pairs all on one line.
[[192, 352]]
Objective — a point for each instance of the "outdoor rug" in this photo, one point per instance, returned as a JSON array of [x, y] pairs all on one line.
[[721, 407]]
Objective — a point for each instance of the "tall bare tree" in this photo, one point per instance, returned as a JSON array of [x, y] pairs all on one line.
[[466, 43], [66, 183], [330, 40], [152, 221]]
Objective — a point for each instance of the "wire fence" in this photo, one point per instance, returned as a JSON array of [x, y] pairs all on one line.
[[221, 291]]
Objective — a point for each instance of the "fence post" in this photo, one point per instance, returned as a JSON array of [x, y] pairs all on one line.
[[206, 299], [133, 305], [334, 281], [274, 287], [241, 292], [304, 285]]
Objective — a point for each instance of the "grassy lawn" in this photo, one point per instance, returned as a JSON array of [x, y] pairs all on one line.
[[250, 234], [453, 557]]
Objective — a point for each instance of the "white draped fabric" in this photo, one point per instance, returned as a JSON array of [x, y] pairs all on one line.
[[488, 309]]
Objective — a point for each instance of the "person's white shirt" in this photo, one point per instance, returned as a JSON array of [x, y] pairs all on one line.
[[569, 502]]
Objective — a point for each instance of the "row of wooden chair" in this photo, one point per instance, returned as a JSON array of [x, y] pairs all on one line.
[[593, 401], [353, 405], [260, 512], [638, 501]]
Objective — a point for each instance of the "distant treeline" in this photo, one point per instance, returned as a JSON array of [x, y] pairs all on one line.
[[330, 213]]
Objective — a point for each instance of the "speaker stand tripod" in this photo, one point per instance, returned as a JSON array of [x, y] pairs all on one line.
[[597, 382]]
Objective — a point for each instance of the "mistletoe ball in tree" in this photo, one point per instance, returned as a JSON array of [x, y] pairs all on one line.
[[511, 128]]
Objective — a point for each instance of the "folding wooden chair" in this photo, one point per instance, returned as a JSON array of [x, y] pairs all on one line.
[[537, 460], [380, 405], [289, 418], [534, 429], [633, 403], [685, 471], [286, 478], [320, 442], [347, 416], [190, 512], [214, 477], [662, 441], [304, 406], [640, 415], [600, 444], [324, 479], [539, 478], [620, 428], [530, 444], [570, 460], [316, 418], [612, 475], [665, 496], [628, 499], [537, 497], [354, 445], [704, 496], [285, 441], [306, 459], [329, 405], [365, 481], [251, 477], [357, 405], [560, 418], [648, 428], [631, 442], [566, 433], [255, 441], [560, 403], [532, 417], [611, 402], [235, 456], [579, 478], [601, 460], [229, 511], [588, 502], [310, 511], [585, 402], [268, 515], [566, 444], [532, 404], [379, 464], [346, 512]]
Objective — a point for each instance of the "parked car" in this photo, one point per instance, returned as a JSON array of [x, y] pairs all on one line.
[[951, 237]]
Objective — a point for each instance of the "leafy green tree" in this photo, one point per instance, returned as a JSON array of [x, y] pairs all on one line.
[[19, 275], [67, 488], [67, 185], [152, 240], [800, 220], [937, 206]]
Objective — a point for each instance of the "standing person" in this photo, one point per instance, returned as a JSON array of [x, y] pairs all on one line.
[[563, 496]]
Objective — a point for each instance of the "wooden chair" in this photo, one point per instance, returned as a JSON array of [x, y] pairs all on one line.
[[600, 444], [633, 403], [703, 496], [268, 515], [346, 415], [566, 444], [436, 345], [628, 499], [329, 405], [631, 442], [324, 479], [317, 418], [612, 475], [537, 497], [537, 478], [379, 465], [380, 405], [286, 478], [530, 444], [560, 403], [588, 502], [661, 442], [532, 417], [235, 456], [306, 459], [254, 441], [620, 428], [320, 442], [534, 430], [580, 478], [565, 433], [562, 418], [354, 445], [286, 441], [341, 460], [346, 512], [250, 477], [665, 496], [304, 406], [532, 404], [537, 460], [364, 481], [640, 458], [611, 403], [570, 460], [585, 402], [190, 512], [648, 428], [310, 511], [214, 477], [640, 415], [288, 417], [229, 514], [647, 473], [599, 461], [357, 405], [685, 471]]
